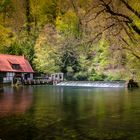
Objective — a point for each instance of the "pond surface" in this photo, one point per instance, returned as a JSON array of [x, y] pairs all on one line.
[[64, 113]]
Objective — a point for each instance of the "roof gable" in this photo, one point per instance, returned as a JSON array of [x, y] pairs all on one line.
[[6, 62]]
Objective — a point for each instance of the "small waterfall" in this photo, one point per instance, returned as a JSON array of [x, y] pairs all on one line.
[[113, 84]]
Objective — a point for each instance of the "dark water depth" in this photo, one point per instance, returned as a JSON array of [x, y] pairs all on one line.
[[62, 113]]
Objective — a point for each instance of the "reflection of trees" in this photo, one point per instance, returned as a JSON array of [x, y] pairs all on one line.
[[72, 112], [83, 112], [131, 108], [68, 113], [15, 100], [87, 114]]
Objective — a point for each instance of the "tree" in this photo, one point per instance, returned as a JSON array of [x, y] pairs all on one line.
[[127, 20], [46, 50], [6, 10], [82, 37]]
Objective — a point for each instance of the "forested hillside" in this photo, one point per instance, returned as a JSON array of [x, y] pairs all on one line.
[[85, 39]]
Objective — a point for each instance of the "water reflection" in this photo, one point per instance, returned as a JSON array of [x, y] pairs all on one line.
[[15, 100], [61, 113]]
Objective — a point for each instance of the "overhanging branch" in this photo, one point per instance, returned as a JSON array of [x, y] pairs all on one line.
[[131, 9], [128, 20]]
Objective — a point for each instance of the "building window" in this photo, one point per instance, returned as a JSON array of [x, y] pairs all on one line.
[[16, 66], [2, 75]]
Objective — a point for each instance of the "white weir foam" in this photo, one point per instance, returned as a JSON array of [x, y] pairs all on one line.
[[113, 84]]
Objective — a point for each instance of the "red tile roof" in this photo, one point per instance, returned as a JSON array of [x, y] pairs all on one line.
[[6, 62]]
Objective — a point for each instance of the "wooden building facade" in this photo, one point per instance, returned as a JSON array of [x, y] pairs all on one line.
[[14, 67]]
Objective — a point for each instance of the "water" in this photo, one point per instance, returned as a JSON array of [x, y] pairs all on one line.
[[69, 113], [114, 84]]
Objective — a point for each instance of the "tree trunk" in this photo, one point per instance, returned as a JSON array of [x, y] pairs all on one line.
[[28, 16]]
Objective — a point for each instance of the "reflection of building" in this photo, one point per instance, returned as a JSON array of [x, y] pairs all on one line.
[[12, 66], [15, 100]]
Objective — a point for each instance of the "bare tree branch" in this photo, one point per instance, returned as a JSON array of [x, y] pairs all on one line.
[[131, 9], [89, 10], [96, 36], [129, 20], [125, 41], [129, 49], [97, 14]]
